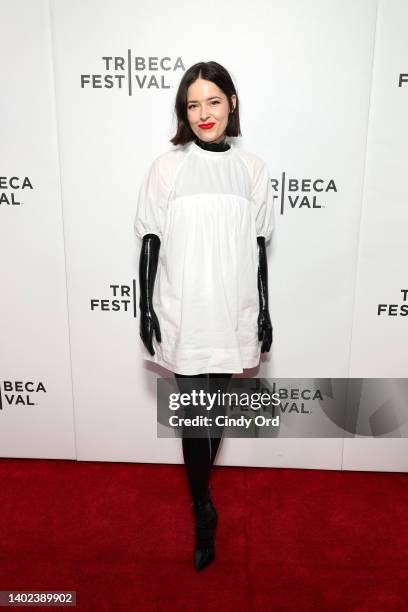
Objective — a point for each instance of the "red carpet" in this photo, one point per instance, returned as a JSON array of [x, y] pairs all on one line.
[[121, 535]]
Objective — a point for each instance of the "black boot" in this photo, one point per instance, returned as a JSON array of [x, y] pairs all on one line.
[[206, 518]]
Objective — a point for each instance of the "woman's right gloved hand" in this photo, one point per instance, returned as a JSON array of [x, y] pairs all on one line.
[[149, 257]]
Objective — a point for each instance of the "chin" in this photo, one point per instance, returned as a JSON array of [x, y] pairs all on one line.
[[208, 136]]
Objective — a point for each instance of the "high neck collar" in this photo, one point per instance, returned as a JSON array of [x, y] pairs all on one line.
[[213, 146]]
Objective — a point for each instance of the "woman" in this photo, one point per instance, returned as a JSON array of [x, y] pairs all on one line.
[[205, 210]]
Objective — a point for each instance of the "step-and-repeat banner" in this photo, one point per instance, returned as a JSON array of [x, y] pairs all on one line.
[[87, 102]]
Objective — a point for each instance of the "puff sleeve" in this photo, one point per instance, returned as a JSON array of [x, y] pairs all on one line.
[[262, 198], [152, 202]]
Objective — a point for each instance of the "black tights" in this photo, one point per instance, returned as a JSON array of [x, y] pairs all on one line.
[[199, 452]]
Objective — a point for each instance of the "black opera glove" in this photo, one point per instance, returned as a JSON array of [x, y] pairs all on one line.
[[264, 320], [149, 257]]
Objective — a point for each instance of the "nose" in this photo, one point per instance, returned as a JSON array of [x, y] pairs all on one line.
[[203, 114]]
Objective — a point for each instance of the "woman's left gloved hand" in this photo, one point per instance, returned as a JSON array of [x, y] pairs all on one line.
[[264, 321]]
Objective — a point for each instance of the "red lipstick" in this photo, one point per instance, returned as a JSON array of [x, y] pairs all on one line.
[[206, 126]]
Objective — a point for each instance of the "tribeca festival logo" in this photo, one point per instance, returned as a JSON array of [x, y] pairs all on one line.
[[10, 194], [131, 72], [394, 310], [310, 193], [120, 298], [402, 79], [295, 399], [20, 393]]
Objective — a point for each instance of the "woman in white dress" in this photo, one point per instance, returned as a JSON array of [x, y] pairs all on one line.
[[205, 211]]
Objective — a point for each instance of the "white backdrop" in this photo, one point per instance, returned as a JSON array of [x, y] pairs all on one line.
[[89, 94], [36, 413]]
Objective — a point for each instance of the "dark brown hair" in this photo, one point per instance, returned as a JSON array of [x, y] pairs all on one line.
[[210, 71]]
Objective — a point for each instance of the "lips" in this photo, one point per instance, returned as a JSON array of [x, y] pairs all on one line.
[[206, 126]]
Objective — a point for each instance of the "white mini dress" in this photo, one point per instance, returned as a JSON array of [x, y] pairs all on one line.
[[207, 207]]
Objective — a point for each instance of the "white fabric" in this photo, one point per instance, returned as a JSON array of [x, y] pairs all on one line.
[[207, 207]]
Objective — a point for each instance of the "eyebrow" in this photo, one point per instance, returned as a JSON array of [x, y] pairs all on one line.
[[212, 98]]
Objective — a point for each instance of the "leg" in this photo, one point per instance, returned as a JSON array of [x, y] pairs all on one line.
[[197, 459], [218, 382], [196, 450]]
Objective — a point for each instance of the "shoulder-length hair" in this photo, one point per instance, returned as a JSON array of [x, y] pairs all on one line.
[[210, 71]]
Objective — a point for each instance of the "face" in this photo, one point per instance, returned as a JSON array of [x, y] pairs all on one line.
[[208, 110]]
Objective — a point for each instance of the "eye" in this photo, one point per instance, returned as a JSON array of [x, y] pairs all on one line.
[[213, 102]]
